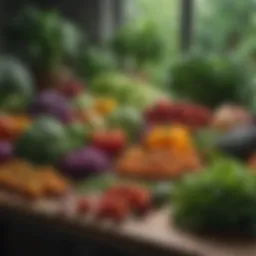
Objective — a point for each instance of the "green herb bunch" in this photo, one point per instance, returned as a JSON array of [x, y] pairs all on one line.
[[220, 199]]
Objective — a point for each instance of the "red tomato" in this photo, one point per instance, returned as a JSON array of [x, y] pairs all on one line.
[[112, 142], [138, 199], [111, 207]]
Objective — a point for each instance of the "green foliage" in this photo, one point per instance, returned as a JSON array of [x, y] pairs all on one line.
[[222, 198], [45, 39], [143, 43], [16, 85], [93, 62], [211, 80], [223, 24]]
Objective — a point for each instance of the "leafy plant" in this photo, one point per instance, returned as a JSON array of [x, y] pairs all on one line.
[[93, 62], [142, 44], [211, 80], [45, 39], [221, 198], [235, 22]]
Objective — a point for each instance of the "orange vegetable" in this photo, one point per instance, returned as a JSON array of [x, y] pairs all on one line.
[[157, 164], [170, 137], [24, 179], [11, 127]]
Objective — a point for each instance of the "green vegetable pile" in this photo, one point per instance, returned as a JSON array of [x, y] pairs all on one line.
[[211, 80], [126, 90], [220, 199], [93, 62], [141, 43]]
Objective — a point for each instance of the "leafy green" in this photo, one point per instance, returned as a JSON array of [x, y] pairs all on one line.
[[16, 85], [45, 39], [141, 43], [211, 80], [221, 198], [125, 89], [93, 62]]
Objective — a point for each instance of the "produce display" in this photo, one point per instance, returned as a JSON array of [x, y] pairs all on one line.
[[193, 152], [30, 181], [212, 202]]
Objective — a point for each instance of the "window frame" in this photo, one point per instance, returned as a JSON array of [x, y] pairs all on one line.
[[187, 24]]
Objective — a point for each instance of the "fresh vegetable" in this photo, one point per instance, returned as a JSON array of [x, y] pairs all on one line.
[[105, 106], [30, 181], [126, 90], [11, 127], [157, 164], [84, 162], [220, 199], [45, 142], [113, 208], [6, 151], [176, 138], [211, 81], [93, 62], [137, 198], [111, 142], [191, 115], [16, 85], [239, 142], [52, 103], [126, 118]]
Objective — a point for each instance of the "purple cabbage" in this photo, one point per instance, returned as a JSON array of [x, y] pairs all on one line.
[[53, 104], [85, 162], [6, 151]]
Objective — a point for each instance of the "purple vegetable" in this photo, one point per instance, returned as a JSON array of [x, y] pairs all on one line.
[[54, 104], [6, 151], [84, 162]]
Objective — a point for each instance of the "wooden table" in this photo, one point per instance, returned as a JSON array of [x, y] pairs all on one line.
[[154, 234]]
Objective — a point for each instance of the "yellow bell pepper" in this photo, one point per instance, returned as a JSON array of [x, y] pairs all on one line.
[[105, 106]]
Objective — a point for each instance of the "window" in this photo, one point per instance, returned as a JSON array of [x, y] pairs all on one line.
[[224, 25]]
